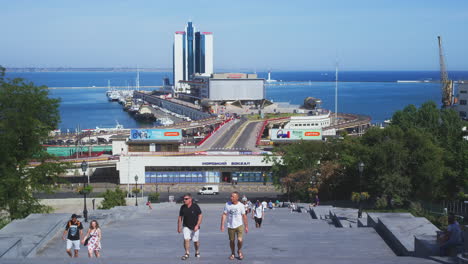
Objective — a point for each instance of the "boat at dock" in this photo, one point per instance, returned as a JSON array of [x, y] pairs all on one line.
[[145, 114], [133, 109], [113, 96], [164, 121]]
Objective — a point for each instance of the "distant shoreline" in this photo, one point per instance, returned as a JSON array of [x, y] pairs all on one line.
[[116, 69], [87, 70]]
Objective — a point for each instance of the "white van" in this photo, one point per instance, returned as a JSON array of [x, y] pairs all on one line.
[[209, 189]]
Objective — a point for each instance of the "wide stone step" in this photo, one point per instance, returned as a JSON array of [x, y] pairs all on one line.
[[223, 258]]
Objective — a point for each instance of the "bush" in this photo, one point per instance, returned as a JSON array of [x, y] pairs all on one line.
[[397, 201], [82, 190], [381, 202], [113, 198], [153, 197], [440, 221], [356, 197], [416, 208], [3, 222]]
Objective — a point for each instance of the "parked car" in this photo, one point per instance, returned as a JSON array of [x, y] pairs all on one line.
[[60, 142], [51, 142], [92, 141], [70, 142], [114, 157], [209, 189], [102, 140]]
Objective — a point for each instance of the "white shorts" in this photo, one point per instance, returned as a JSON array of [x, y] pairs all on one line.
[[74, 243], [190, 234]]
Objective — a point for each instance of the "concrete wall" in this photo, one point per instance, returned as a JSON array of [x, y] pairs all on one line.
[[244, 89], [117, 146], [75, 205]]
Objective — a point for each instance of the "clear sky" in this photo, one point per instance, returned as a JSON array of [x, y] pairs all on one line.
[[270, 34]]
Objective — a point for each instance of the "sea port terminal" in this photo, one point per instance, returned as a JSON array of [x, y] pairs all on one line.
[[208, 127], [211, 129], [223, 142]]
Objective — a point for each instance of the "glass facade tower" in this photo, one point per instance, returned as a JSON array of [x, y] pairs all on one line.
[[200, 51], [190, 51], [193, 53]]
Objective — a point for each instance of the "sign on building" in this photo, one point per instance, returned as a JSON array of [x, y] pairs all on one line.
[[295, 134], [156, 134]]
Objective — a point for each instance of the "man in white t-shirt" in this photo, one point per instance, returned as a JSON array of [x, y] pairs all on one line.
[[258, 214], [236, 223]]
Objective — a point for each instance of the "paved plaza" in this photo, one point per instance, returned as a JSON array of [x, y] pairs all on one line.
[[140, 235]]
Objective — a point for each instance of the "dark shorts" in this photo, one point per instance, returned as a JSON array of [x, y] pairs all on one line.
[[258, 221]]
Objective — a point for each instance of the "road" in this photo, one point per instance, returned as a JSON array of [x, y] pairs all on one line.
[[248, 137], [164, 196], [224, 138]]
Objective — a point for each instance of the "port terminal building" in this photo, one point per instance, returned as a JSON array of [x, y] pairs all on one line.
[[210, 168], [154, 156], [213, 91]]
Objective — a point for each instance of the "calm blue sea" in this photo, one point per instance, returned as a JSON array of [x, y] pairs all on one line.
[[376, 94]]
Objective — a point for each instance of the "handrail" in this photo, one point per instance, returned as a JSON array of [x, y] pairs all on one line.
[[265, 123]]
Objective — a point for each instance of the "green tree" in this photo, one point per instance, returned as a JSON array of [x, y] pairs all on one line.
[[27, 115], [443, 127], [421, 155], [113, 198]]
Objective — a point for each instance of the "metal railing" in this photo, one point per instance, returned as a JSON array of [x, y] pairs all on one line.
[[458, 208]]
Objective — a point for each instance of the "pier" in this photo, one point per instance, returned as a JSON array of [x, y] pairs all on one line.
[[105, 87], [177, 106]]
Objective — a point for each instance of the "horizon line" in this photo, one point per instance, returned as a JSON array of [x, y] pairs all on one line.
[[220, 70]]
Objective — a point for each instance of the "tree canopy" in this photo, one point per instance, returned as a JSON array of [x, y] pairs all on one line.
[[421, 155], [27, 115]]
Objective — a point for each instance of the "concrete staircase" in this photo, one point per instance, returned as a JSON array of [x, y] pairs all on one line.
[[141, 235]]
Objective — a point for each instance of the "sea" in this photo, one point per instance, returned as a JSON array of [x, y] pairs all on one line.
[[377, 94]]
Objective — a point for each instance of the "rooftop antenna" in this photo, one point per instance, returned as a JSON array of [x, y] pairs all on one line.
[[336, 93]]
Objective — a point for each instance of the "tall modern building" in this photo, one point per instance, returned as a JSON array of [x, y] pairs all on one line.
[[193, 53]]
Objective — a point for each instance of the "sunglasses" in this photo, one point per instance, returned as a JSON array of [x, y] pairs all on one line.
[[186, 198]]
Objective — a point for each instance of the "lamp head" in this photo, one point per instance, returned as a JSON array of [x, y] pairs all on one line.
[[84, 166], [361, 166], [136, 178]]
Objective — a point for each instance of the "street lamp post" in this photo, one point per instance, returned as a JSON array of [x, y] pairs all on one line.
[[84, 167], [315, 178], [361, 169], [136, 188]]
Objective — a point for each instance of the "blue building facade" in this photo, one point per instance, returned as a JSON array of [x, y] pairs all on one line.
[[200, 53], [190, 36], [192, 53]]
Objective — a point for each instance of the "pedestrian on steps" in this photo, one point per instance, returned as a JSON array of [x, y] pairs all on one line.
[[93, 239], [189, 221]]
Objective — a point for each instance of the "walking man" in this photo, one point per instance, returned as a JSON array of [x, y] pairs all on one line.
[[258, 214], [190, 216], [236, 223], [74, 228]]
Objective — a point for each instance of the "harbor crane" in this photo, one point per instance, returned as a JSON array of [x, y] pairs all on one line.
[[446, 84]]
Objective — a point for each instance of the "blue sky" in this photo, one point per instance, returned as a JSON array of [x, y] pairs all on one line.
[[276, 34]]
